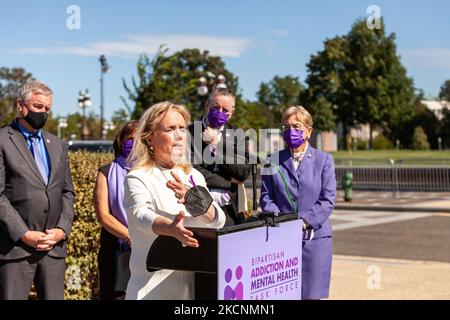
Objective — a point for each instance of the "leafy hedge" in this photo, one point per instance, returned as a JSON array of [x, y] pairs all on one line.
[[81, 273]]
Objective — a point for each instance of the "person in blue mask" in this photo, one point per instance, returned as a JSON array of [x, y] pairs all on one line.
[[302, 179], [218, 152], [115, 246]]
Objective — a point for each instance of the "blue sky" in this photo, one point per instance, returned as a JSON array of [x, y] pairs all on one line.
[[256, 39]]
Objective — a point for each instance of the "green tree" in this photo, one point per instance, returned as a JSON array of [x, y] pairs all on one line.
[[420, 139], [380, 88], [10, 82], [324, 84], [321, 111], [362, 76], [252, 115], [279, 94], [445, 128], [424, 118], [444, 94], [174, 77], [74, 125]]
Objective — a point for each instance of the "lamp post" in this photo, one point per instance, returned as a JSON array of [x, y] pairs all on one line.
[[104, 69], [84, 101], [107, 126], [207, 84], [202, 91], [62, 123], [221, 82]]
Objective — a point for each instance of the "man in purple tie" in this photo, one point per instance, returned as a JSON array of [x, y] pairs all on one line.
[[218, 152], [302, 179], [36, 200]]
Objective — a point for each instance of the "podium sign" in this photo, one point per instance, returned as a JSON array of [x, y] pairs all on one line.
[[264, 263]]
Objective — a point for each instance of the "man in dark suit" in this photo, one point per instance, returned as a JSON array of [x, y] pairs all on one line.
[[36, 200], [218, 151]]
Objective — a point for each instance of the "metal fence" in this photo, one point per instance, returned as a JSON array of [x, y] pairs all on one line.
[[396, 175]]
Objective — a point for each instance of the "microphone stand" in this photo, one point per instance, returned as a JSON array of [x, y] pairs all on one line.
[[255, 200]]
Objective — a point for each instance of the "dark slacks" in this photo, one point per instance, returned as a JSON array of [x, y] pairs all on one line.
[[107, 267], [18, 276]]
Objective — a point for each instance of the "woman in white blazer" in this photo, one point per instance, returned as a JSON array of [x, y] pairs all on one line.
[[154, 197]]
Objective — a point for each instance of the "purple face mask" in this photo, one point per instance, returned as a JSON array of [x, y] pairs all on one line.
[[217, 118], [293, 138], [127, 146]]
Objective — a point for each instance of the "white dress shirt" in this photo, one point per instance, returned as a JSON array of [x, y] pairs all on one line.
[[298, 157]]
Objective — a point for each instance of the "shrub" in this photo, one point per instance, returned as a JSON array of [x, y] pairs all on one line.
[[362, 144], [382, 143], [81, 273], [420, 139]]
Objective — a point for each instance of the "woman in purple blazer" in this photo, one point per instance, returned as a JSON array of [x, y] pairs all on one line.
[[302, 179]]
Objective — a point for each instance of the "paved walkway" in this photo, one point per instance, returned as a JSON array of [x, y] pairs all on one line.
[[390, 248], [343, 220], [362, 278], [370, 221]]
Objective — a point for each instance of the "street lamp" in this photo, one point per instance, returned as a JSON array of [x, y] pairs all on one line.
[[62, 123], [107, 126], [221, 82], [202, 89], [84, 101], [105, 67], [207, 84]]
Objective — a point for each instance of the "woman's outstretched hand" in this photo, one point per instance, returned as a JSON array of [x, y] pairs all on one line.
[[184, 235]]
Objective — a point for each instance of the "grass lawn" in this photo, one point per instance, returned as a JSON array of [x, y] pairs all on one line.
[[393, 154]]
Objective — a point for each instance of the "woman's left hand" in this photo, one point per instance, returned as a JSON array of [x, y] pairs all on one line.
[[177, 186]]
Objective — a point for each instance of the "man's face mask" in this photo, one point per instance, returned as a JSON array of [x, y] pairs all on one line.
[[217, 118], [36, 120]]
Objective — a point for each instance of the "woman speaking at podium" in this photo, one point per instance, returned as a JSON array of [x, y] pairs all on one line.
[[302, 179], [155, 190]]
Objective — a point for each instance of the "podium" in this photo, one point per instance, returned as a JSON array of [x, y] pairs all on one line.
[[259, 259]]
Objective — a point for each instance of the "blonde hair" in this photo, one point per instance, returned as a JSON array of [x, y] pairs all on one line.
[[141, 155], [301, 114]]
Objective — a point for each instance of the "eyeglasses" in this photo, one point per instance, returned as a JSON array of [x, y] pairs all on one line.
[[296, 126]]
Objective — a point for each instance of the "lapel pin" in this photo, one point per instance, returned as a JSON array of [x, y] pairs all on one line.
[[47, 140]]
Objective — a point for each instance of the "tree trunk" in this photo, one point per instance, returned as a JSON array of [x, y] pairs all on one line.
[[370, 136]]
